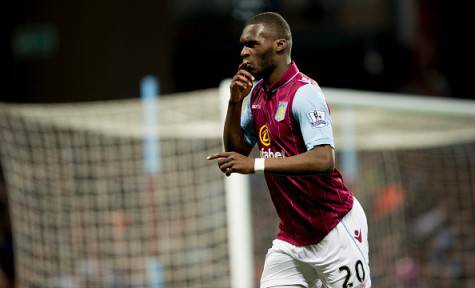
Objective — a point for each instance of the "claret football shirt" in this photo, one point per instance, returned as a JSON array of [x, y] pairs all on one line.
[[288, 118]]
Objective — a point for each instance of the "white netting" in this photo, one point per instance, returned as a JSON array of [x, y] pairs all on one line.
[[420, 205], [86, 215]]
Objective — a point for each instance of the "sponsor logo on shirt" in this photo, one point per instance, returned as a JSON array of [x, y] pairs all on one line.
[[317, 118], [255, 106], [271, 154], [280, 114], [264, 135]]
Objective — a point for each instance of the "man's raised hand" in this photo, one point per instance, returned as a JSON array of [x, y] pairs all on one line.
[[241, 84]]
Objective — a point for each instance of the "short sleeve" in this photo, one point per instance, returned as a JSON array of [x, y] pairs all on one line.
[[247, 123], [311, 111]]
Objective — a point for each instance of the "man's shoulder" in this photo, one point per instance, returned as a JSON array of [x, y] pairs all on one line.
[[305, 85], [303, 80], [301, 83], [297, 84], [307, 91]]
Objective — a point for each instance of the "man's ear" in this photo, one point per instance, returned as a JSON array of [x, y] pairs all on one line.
[[280, 45]]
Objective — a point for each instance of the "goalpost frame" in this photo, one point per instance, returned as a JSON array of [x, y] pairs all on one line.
[[394, 101], [238, 208]]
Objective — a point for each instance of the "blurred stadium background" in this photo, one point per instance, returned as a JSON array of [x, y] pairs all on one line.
[[77, 209]]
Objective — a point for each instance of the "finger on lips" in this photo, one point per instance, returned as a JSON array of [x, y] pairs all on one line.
[[243, 64], [243, 80], [247, 74], [242, 68]]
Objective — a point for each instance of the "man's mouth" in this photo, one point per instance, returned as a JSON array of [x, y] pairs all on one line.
[[245, 65], [249, 67]]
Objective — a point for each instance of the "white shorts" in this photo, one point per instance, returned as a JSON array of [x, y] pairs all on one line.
[[340, 260]]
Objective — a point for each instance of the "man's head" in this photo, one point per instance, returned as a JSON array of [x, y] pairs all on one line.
[[267, 43]]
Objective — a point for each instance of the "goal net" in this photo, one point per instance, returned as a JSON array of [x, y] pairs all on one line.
[[85, 214]]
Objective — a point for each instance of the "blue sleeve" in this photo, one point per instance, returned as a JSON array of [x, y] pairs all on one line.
[[311, 111], [247, 123]]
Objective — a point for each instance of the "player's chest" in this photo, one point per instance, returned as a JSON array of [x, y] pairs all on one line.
[[273, 116]]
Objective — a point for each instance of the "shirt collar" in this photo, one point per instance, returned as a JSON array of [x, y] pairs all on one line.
[[285, 78]]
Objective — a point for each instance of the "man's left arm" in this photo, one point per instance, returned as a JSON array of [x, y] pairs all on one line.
[[311, 112], [316, 161], [320, 159]]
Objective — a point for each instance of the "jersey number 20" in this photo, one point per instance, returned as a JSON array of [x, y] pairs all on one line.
[[360, 274]]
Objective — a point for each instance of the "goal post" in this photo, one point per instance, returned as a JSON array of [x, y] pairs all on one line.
[[238, 215]]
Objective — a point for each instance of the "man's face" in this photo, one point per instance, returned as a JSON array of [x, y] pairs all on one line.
[[257, 50]]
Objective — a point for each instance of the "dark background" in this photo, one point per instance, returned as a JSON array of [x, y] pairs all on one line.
[[61, 51]]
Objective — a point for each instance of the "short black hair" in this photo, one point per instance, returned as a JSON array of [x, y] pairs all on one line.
[[275, 22]]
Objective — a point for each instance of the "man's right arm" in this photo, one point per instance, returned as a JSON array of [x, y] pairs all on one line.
[[233, 136], [234, 139]]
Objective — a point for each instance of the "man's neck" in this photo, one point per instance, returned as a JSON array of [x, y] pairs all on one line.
[[278, 72]]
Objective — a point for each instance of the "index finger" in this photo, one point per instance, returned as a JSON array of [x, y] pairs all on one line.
[[247, 74], [243, 67], [218, 155]]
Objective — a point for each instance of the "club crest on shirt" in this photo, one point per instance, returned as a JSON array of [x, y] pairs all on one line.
[[317, 118], [280, 114]]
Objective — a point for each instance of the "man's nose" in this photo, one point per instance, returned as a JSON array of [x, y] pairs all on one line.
[[244, 52]]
